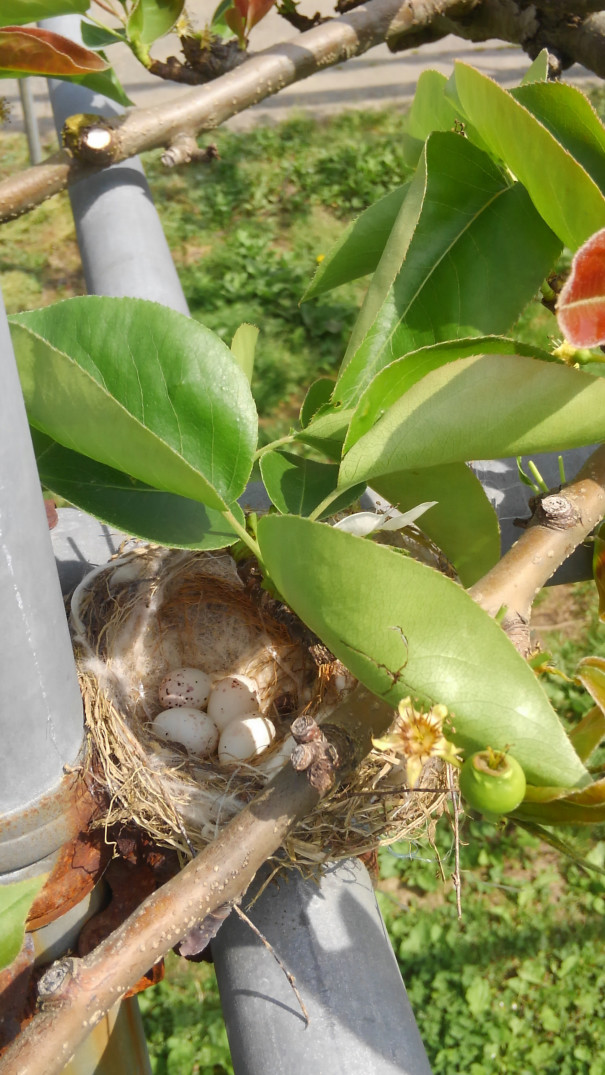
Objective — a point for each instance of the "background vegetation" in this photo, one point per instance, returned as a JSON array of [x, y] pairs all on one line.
[[518, 986]]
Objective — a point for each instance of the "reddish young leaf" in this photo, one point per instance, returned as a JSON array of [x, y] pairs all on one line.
[[581, 305], [257, 11], [252, 11], [29, 50]]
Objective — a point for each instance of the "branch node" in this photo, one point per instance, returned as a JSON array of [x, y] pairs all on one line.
[[183, 149], [50, 986], [90, 138], [556, 512]]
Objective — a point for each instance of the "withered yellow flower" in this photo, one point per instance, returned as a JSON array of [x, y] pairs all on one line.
[[418, 736]]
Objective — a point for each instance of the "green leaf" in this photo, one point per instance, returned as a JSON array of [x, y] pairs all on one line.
[[538, 70], [327, 432], [18, 12], [28, 50], [478, 995], [107, 84], [467, 253], [297, 486], [403, 628], [151, 19], [243, 346], [97, 37], [317, 395], [142, 389], [15, 902], [481, 408], [563, 192], [589, 733], [361, 245], [561, 812], [430, 110], [121, 501], [434, 108], [591, 674], [398, 377], [463, 523], [571, 119]]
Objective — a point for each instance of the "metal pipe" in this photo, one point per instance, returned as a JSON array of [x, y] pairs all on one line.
[[40, 704], [332, 937], [122, 244], [30, 121]]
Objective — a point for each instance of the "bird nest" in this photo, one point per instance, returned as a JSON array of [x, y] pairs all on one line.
[[152, 610]]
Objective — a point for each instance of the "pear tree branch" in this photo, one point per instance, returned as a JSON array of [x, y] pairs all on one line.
[[561, 521], [203, 109]]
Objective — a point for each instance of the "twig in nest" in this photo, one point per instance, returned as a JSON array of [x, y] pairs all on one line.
[[456, 810], [271, 949]]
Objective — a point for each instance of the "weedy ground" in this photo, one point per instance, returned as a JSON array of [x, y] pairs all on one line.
[[518, 986]]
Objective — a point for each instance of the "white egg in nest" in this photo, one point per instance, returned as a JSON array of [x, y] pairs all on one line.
[[232, 697], [185, 687], [188, 726], [245, 738]]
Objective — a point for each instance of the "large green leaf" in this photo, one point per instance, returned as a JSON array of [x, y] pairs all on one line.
[[398, 377], [142, 389], [298, 486], [563, 192], [462, 523], [15, 902], [571, 119], [481, 408], [467, 253], [360, 246], [151, 19], [433, 109], [403, 628], [18, 12], [130, 505]]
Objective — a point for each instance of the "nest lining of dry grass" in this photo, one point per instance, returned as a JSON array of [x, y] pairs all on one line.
[[151, 610]]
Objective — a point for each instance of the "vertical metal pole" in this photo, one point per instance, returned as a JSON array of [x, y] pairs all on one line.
[[30, 120], [40, 704], [124, 252], [122, 244]]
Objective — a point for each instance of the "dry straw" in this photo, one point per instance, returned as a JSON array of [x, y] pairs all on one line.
[[151, 610]]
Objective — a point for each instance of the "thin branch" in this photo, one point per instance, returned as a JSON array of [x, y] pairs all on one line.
[[280, 963], [259, 77], [542, 548], [456, 880]]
